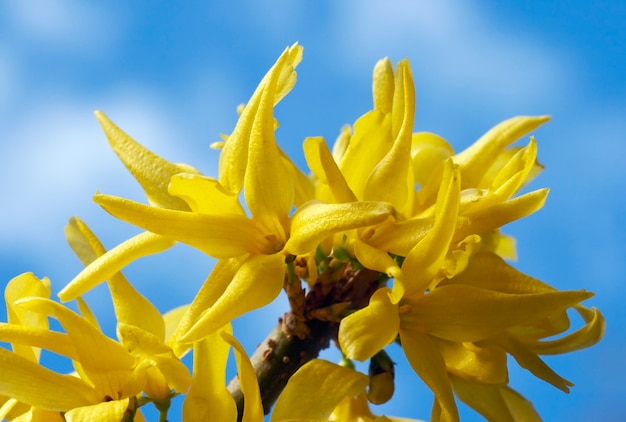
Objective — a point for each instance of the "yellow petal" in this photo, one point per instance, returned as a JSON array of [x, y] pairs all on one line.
[[521, 409], [234, 156], [401, 236], [205, 195], [388, 180], [37, 337], [467, 313], [368, 145], [214, 286], [220, 236], [268, 191], [110, 411], [315, 390], [383, 85], [151, 171], [514, 174], [26, 285], [97, 353], [475, 160], [428, 153], [485, 365], [424, 357], [208, 398], [377, 260], [172, 320], [586, 336], [257, 282], [323, 166], [315, 221], [427, 258], [500, 214], [367, 331], [488, 271], [494, 402], [304, 190], [530, 361], [35, 385], [174, 371], [341, 143], [253, 407], [105, 266], [130, 306]]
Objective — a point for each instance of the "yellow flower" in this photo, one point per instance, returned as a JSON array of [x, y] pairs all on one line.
[[255, 248], [323, 391], [208, 398], [109, 374]]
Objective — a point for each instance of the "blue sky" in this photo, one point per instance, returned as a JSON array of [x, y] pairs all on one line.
[[172, 74]]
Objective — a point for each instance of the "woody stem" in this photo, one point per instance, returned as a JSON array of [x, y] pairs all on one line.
[[279, 356]]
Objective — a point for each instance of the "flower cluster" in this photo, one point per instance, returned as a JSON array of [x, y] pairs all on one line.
[[393, 240]]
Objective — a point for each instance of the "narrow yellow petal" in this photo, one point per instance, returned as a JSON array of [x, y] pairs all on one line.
[[514, 174], [500, 214], [37, 337], [234, 156], [105, 266], [466, 313], [304, 190], [37, 386], [257, 282], [368, 145], [151, 171], [96, 351], [110, 411], [205, 195], [253, 407], [424, 358], [212, 289], [530, 361], [427, 258], [377, 260], [208, 398], [401, 236], [475, 160], [521, 408], [174, 371], [323, 166], [367, 331], [586, 336], [315, 221], [268, 190], [486, 399], [172, 320], [315, 390], [486, 364], [388, 180], [341, 143], [383, 85], [488, 271], [428, 153], [26, 285], [130, 306], [220, 236]]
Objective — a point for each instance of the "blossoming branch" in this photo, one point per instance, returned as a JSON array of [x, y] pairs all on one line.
[[389, 240]]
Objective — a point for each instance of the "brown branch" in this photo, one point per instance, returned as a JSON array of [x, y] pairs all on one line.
[[306, 330], [279, 357]]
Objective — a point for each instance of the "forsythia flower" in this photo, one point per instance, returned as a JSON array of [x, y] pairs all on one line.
[[396, 237], [109, 374]]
